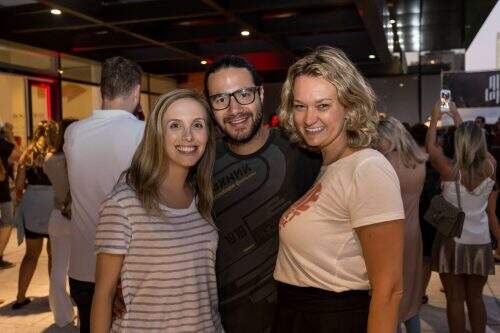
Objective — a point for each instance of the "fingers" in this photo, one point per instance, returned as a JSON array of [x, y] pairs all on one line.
[[119, 307], [437, 106], [453, 107], [436, 112]]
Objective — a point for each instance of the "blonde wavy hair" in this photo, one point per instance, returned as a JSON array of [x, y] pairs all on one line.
[[400, 140], [149, 163], [354, 94], [470, 153]]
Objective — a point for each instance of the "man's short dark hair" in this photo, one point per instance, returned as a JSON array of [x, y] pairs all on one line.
[[481, 118], [118, 77], [228, 61]]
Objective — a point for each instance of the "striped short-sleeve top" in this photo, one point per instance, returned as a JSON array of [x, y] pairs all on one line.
[[168, 272]]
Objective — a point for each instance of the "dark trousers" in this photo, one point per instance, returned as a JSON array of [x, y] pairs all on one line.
[[302, 309], [82, 293]]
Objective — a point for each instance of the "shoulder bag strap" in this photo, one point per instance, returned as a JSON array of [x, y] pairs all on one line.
[[457, 188], [492, 168]]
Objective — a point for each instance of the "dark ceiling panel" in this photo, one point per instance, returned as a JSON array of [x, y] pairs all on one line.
[[323, 19], [237, 47], [12, 21], [148, 54], [173, 36], [356, 44], [248, 6], [122, 11], [176, 31], [74, 42], [173, 66], [85, 11], [21, 8]]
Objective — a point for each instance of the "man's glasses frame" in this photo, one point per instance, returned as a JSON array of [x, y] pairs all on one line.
[[237, 97]]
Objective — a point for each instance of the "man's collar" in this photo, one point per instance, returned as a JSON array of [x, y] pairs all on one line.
[[113, 113]]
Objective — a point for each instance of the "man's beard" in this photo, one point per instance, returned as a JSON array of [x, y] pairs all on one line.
[[256, 123]]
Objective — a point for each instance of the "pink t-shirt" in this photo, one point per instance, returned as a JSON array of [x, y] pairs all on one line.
[[318, 243]]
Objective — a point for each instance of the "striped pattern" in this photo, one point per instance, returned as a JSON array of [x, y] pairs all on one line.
[[168, 273]]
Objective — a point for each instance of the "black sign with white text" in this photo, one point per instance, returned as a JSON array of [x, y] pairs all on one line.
[[473, 89]]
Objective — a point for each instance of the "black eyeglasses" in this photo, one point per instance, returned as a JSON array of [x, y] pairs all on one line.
[[243, 96]]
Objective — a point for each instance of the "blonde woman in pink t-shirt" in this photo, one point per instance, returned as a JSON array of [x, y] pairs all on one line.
[[340, 256]]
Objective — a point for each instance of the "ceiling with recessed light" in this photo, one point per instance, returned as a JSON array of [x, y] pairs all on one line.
[[176, 38]]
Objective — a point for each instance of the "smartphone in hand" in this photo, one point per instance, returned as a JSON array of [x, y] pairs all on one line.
[[445, 97]]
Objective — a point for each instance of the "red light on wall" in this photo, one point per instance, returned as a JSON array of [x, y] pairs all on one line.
[[263, 61], [48, 96], [48, 92]]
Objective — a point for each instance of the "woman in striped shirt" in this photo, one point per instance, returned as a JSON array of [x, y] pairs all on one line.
[[155, 230]]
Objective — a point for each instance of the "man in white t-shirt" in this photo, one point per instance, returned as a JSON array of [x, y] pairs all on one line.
[[98, 149]]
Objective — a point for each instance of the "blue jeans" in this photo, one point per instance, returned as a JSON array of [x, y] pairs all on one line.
[[412, 325]]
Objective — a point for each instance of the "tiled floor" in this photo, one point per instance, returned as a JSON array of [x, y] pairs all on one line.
[[36, 317]]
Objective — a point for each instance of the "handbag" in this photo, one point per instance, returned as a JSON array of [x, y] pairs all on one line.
[[445, 217]]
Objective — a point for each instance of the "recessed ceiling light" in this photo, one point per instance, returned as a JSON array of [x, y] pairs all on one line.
[[392, 21], [401, 84], [433, 62], [55, 11], [371, 56], [245, 33], [203, 62], [279, 15]]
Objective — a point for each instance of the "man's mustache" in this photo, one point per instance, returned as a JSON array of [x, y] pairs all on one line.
[[232, 117]]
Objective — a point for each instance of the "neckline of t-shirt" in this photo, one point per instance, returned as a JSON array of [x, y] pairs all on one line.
[[179, 210], [270, 138], [343, 159]]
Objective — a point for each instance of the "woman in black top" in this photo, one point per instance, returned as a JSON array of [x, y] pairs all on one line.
[[36, 203]]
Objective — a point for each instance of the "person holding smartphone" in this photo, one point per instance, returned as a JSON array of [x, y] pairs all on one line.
[[464, 262]]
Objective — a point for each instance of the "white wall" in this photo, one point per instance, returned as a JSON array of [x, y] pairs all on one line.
[[482, 52], [79, 100], [13, 103]]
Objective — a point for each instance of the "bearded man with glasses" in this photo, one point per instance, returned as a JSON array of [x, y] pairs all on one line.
[[258, 173]]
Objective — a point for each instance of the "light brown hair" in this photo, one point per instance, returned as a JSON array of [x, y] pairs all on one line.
[[400, 140], [471, 153], [149, 162], [44, 141]]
